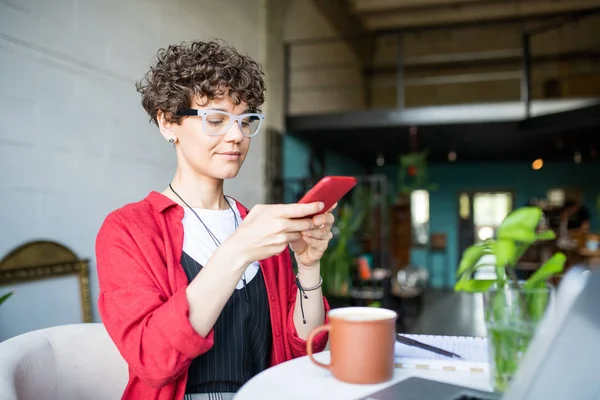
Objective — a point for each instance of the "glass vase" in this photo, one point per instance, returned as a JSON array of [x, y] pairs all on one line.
[[512, 316]]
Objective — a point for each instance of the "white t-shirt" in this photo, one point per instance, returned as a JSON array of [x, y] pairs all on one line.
[[199, 245]]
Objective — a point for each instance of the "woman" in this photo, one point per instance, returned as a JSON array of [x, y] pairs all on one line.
[[575, 216], [199, 294]]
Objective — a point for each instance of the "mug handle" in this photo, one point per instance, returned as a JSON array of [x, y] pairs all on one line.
[[309, 349]]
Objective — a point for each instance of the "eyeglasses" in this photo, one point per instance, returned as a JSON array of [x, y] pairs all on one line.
[[216, 122]]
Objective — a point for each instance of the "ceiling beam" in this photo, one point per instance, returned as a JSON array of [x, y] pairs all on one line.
[[348, 26], [503, 59], [476, 12], [367, 6], [434, 115]]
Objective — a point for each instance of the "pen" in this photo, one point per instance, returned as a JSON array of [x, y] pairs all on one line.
[[411, 342]]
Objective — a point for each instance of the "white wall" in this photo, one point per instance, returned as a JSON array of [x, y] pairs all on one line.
[[75, 142]]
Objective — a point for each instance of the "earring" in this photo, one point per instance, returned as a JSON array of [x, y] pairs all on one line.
[[171, 140]]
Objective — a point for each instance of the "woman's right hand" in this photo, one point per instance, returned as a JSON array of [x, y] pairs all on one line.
[[268, 229]]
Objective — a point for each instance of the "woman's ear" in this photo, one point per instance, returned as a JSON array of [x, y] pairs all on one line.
[[166, 127]]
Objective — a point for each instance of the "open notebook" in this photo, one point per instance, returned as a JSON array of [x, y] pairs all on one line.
[[473, 350]]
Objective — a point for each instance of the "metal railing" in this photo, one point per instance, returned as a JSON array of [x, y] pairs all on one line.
[[528, 35], [522, 58]]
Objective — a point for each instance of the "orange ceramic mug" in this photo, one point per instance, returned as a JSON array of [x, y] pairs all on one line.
[[361, 343]]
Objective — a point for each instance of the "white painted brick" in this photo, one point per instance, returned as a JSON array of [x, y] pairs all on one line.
[[57, 22], [90, 175], [23, 221], [13, 130], [20, 168], [59, 222], [75, 142], [18, 22], [56, 168]]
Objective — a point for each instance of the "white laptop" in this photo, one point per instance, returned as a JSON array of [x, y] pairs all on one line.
[[562, 363]]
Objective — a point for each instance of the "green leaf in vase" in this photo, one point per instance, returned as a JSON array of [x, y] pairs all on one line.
[[520, 249], [474, 285], [499, 306], [524, 216], [505, 252], [546, 235], [517, 233], [520, 225], [537, 302], [553, 266], [470, 258]]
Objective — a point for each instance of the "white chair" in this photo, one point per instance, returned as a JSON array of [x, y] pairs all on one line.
[[67, 362]]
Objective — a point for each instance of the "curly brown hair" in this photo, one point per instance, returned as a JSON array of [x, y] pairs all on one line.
[[203, 69]]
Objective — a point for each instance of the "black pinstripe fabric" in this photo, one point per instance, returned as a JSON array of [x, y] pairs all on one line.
[[209, 396], [243, 339]]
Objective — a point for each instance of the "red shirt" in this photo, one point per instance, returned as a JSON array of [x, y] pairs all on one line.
[[144, 307]]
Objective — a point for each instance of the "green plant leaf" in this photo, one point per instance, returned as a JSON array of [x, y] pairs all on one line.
[[537, 302], [521, 248], [504, 250], [5, 296], [473, 285], [520, 225], [356, 224], [499, 306], [553, 266], [517, 233], [470, 257], [546, 235], [524, 216], [505, 253]]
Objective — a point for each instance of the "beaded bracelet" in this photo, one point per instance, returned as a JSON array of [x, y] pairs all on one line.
[[303, 291]]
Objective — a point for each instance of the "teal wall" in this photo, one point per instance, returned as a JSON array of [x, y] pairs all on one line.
[[296, 155], [454, 178], [516, 177]]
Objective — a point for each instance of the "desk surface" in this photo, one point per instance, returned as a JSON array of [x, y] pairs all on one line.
[[301, 379]]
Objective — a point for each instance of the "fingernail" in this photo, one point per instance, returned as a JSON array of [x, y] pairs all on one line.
[[321, 205]]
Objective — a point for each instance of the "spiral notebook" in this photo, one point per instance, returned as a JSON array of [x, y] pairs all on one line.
[[473, 350]]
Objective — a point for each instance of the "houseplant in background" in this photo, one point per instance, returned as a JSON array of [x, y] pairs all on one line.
[[337, 260], [512, 308]]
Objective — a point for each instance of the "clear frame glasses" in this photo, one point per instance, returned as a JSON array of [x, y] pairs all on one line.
[[217, 122]]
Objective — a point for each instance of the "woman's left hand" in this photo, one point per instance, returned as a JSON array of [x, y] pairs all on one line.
[[312, 244]]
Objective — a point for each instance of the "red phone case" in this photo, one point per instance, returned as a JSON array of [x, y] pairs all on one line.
[[329, 190]]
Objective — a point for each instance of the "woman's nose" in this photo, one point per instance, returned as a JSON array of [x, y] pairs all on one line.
[[234, 133]]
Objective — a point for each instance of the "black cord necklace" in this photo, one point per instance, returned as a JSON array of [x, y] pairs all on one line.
[[212, 235]]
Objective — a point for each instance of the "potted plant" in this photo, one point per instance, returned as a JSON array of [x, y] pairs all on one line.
[[337, 259], [512, 308]]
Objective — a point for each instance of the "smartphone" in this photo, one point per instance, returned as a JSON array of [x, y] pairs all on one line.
[[329, 190]]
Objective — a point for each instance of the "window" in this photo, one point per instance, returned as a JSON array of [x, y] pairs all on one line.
[[464, 206], [489, 210], [419, 216]]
